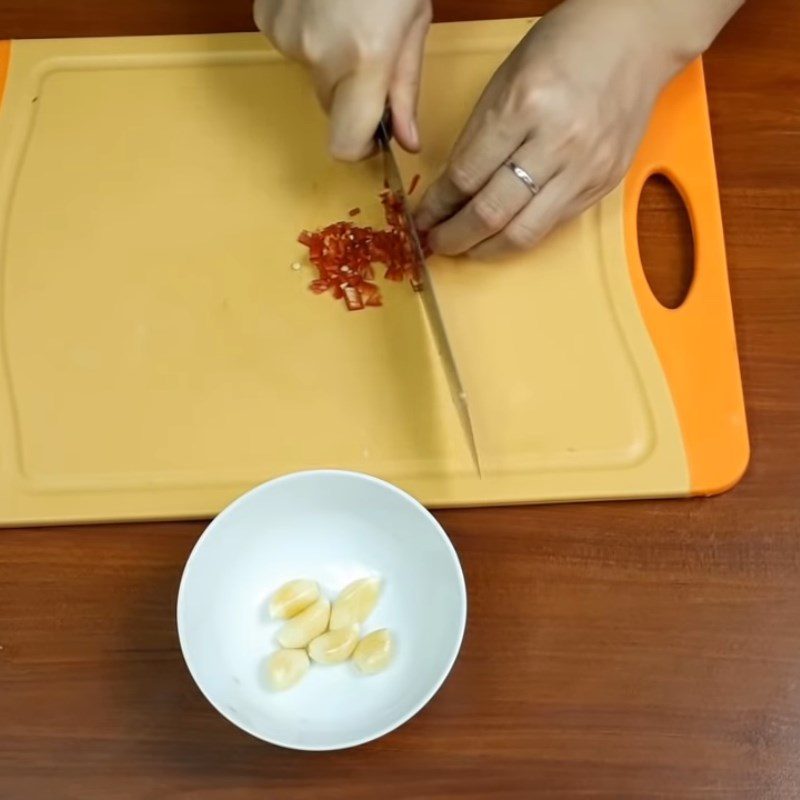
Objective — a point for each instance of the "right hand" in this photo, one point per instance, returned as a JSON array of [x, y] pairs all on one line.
[[360, 53]]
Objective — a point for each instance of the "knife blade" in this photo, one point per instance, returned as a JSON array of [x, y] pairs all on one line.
[[426, 289]]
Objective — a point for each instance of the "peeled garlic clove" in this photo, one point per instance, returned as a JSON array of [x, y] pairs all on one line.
[[374, 652], [286, 668], [292, 598], [334, 647], [307, 625], [355, 603]]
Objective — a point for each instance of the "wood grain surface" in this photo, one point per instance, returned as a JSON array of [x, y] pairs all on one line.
[[625, 650]]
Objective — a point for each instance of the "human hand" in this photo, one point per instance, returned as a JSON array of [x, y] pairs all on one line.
[[569, 106], [360, 53]]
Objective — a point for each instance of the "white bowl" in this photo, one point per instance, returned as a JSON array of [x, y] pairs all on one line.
[[333, 527]]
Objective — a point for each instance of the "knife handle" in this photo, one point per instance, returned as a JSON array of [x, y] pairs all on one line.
[[385, 128]]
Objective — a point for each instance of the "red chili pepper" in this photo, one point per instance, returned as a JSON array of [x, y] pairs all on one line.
[[371, 294], [344, 256], [353, 298]]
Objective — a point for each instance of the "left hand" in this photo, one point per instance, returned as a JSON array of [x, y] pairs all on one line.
[[569, 106], [360, 53]]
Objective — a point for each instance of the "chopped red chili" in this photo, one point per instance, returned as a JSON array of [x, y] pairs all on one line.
[[353, 298], [344, 255]]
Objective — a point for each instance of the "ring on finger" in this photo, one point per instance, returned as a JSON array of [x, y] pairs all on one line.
[[524, 176]]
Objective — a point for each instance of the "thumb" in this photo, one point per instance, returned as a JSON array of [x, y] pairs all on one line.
[[404, 91]]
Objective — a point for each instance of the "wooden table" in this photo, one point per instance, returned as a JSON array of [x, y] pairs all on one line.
[[625, 650]]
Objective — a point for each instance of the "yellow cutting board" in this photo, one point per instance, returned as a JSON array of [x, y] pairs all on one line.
[[158, 353]]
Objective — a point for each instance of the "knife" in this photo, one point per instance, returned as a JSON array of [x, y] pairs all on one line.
[[425, 288]]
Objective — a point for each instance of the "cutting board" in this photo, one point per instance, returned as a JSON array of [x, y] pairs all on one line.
[[159, 353]]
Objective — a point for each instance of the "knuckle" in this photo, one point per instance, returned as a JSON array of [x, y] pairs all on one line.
[[606, 174], [576, 130], [309, 47], [463, 178], [521, 236], [526, 100], [605, 159], [369, 51], [490, 213]]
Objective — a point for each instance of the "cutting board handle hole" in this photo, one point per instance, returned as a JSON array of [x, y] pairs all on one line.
[[666, 243]]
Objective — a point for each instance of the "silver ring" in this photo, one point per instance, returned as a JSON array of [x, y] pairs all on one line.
[[524, 177]]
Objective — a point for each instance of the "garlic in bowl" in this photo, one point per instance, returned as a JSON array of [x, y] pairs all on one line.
[[333, 528]]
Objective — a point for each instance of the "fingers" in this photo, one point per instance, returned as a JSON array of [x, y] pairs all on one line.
[[404, 89], [496, 205], [357, 64], [442, 199], [357, 104], [356, 100], [478, 155], [559, 200]]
